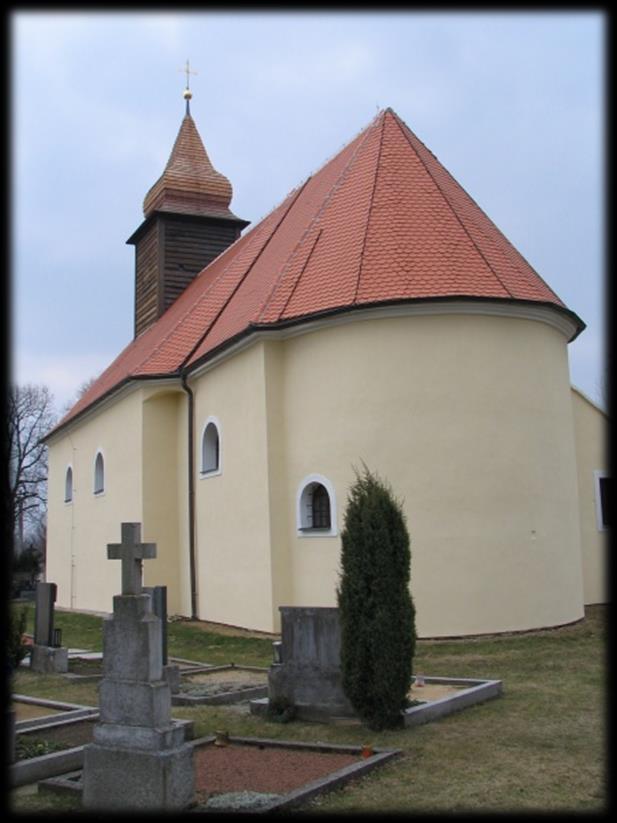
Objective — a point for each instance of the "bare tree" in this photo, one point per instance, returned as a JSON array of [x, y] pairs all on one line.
[[30, 415], [79, 393]]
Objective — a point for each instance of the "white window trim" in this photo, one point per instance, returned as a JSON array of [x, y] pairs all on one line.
[[213, 472], [303, 531], [598, 475], [102, 492], [66, 471]]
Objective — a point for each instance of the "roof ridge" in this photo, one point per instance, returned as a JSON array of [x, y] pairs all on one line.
[[294, 192], [335, 186], [302, 270], [517, 254], [242, 278], [400, 124], [198, 301], [349, 142], [329, 158], [370, 207]]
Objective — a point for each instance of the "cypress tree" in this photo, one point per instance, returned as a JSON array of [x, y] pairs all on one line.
[[375, 606]]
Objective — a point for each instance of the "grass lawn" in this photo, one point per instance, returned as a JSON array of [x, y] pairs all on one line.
[[540, 747]]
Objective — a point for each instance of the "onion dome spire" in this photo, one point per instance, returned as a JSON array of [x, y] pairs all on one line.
[[190, 184]]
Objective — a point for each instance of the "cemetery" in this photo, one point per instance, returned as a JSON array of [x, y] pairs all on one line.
[[140, 743], [131, 753]]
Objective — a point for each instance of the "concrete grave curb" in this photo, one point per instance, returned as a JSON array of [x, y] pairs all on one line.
[[38, 768], [70, 712], [222, 698], [477, 692], [70, 783], [315, 787], [34, 769]]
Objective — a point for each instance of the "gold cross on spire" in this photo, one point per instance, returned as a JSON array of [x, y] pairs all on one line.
[[187, 70], [187, 91]]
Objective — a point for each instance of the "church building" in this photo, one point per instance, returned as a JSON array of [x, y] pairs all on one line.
[[375, 316]]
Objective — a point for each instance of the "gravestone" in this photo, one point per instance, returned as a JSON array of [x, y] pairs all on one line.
[[171, 672], [308, 671], [139, 759], [47, 655]]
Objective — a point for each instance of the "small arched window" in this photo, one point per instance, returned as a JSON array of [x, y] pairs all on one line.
[[320, 505], [68, 485], [316, 515], [210, 449], [99, 474]]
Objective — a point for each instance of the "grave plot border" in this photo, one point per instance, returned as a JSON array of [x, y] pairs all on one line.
[[58, 764], [477, 691], [70, 712], [222, 698], [70, 783], [24, 772], [190, 666], [33, 769]]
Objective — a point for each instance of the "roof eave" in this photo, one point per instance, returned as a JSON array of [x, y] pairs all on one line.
[[574, 325], [107, 396], [571, 330], [222, 218]]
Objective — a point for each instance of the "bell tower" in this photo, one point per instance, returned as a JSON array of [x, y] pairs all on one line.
[[187, 224]]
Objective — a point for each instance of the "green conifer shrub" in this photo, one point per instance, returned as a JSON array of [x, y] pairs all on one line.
[[376, 609]]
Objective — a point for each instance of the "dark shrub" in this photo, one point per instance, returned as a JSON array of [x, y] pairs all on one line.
[[376, 609], [16, 650], [27, 565]]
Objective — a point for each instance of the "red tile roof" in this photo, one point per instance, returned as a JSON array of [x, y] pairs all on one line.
[[382, 221]]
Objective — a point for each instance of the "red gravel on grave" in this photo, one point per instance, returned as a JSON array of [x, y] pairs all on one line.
[[236, 768]]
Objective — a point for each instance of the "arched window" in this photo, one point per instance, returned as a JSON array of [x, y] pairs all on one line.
[[68, 485], [99, 474], [320, 505], [604, 494], [210, 449], [316, 507]]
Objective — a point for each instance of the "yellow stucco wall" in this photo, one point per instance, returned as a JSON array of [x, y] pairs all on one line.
[[233, 519], [590, 426], [144, 442], [281, 514], [78, 532], [162, 452], [469, 419], [182, 503]]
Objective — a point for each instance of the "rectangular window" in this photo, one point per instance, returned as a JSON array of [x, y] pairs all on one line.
[[604, 499]]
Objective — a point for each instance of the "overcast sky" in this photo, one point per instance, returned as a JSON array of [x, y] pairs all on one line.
[[510, 103]]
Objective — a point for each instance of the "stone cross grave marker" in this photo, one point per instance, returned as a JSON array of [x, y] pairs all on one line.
[[131, 551], [139, 758]]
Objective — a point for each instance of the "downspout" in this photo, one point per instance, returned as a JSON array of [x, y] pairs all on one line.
[[192, 564]]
